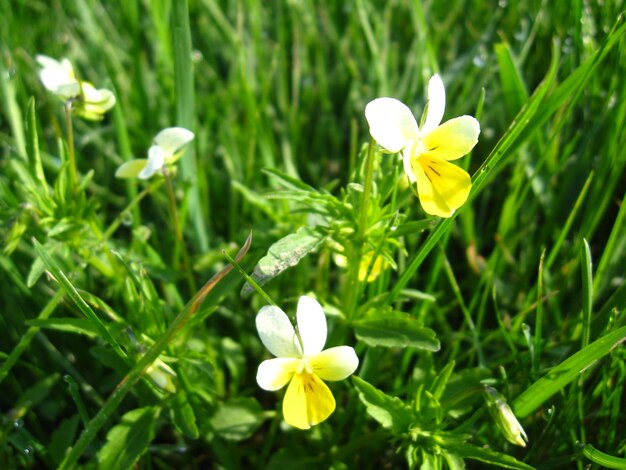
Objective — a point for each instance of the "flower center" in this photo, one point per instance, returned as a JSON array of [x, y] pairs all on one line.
[[416, 148], [304, 367]]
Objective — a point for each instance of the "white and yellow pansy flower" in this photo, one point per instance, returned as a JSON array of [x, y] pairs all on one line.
[[87, 101], [167, 147], [442, 187], [301, 362]]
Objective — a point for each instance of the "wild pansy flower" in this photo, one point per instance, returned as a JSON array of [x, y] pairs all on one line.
[[167, 147], [301, 363], [87, 101], [442, 187]]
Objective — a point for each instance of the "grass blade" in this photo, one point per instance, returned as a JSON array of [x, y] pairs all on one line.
[[558, 377]]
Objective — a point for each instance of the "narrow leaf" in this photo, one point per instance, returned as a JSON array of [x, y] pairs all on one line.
[[183, 417], [488, 456], [568, 370]]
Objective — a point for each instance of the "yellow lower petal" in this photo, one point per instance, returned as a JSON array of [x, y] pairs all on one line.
[[308, 401], [442, 187]]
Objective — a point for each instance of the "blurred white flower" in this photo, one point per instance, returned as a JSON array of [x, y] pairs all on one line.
[[86, 100], [167, 147]]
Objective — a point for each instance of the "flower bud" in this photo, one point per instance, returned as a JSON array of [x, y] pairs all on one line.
[[505, 419]]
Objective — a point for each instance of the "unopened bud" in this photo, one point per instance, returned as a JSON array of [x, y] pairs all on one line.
[[505, 419]]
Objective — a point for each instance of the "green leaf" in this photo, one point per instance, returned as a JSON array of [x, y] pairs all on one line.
[[34, 395], [488, 456], [77, 299], [391, 412], [62, 438], [395, 330], [602, 459], [283, 254], [67, 325], [568, 370], [128, 440], [183, 417], [237, 419]]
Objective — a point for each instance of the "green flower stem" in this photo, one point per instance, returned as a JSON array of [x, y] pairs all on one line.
[[127, 383], [362, 225], [118, 220], [179, 232], [248, 279], [70, 147]]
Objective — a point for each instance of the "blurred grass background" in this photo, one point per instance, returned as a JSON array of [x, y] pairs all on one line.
[[283, 85]]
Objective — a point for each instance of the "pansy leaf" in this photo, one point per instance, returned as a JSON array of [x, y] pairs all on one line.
[[390, 412], [393, 329], [129, 440], [283, 254], [237, 419]]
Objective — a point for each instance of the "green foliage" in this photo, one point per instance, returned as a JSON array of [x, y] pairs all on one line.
[[111, 357]]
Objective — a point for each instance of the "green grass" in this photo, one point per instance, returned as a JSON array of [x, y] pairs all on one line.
[[522, 290]]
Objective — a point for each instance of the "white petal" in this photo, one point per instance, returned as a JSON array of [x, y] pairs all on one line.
[[436, 104], [277, 333], [274, 374], [391, 122], [406, 162], [156, 160], [335, 363], [173, 139], [311, 325], [58, 77]]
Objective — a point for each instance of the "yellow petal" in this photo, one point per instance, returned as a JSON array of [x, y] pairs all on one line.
[[335, 363], [453, 139], [308, 401], [273, 374], [442, 187], [391, 122]]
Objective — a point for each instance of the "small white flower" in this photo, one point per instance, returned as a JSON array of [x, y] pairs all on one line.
[[58, 77], [301, 362], [87, 101], [167, 147]]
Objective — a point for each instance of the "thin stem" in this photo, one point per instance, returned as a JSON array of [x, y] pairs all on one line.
[[248, 279], [178, 232], [125, 385], [355, 266], [70, 146], [118, 220]]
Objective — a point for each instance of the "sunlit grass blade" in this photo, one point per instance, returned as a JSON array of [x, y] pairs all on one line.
[[564, 373], [487, 169], [602, 459], [185, 112]]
